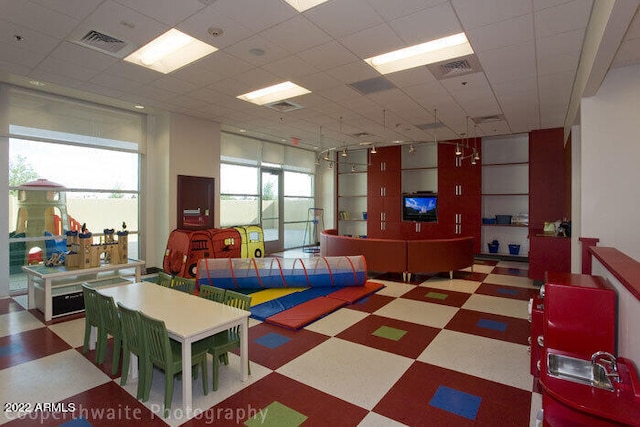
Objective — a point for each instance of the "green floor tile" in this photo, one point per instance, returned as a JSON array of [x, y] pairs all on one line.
[[436, 295], [277, 415], [389, 333]]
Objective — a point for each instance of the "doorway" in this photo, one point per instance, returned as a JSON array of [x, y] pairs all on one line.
[[271, 210]]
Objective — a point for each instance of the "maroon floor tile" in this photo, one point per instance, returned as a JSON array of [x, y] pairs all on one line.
[[415, 339], [371, 303], [397, 277], [8, 305], [108, 359], [513, 292], [29, 345], [299, 342], [438, 296], [408, 400], [321, 409], [486, 261], [469, 321], [105, 405], [508, 271]]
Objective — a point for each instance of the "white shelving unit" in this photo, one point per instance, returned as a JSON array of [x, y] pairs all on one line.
[[420, 168], [505, 190], [352, 193]]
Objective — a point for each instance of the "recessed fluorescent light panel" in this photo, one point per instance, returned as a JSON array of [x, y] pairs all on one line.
[[274, 93], [422, 54], [302, 5], [172, 50]]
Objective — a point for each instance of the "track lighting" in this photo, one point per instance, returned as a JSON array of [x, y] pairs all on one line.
[[458, 150], [412, 149], [353, 167], [373, 150], [344, 152]]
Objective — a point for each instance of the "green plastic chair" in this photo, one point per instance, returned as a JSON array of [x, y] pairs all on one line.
[[109, 325], [133, 342], [166, 354], [183, 284], [221, 343], [91, 316], [164, 279], [212, 293]]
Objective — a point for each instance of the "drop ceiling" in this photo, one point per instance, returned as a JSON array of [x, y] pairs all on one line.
[[522, 73]]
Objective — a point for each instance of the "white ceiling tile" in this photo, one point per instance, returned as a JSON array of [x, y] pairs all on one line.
[[290, 68], [509, 63], [133, 72], [545, 4], [562, 18], [255, 15], [38, 18], [199, 25], [296, 34], [173, 84], [552, 64], [68, 69], [412, 77], [390, 10], [353, 72], [372, 41], [340, 18], [566, 43], [31, 40], [516, 86], [629, 53], [268, 52], [78, 9], [327, 56], [317, 81], [474, 13], [169, 12], [109, 19], [83, 56], [468, 83], [427, 24], [12, 53], [503, 33]]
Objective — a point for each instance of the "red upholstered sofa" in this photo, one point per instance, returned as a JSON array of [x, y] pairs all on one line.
[[402, 256]]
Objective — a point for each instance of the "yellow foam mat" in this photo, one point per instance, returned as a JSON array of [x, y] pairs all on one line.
[[272, 293]]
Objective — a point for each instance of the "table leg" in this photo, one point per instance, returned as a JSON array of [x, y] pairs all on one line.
[[244, 350], [31, 291], [186, 376], [138, 274], [48, 301]]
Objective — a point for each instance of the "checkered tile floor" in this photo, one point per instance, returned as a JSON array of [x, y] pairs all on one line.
[[434, 352]]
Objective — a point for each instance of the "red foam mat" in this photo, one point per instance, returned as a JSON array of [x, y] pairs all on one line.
[[352, 294], [305, 313]]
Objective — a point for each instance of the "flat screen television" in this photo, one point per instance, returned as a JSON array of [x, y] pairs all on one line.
[[420, 207]]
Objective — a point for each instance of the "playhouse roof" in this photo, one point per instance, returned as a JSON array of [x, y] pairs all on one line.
[[41, 184]]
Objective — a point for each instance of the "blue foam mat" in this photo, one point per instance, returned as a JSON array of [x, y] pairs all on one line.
[[269, 308]]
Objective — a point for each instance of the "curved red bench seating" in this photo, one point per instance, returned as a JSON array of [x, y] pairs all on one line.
[[402, 256]]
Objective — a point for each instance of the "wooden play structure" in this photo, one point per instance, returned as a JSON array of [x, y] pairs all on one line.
[[82, 252]]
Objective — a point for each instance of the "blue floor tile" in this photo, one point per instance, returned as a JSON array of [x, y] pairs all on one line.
[[272, 340], [492, 324], [10, 349], [457, 402]]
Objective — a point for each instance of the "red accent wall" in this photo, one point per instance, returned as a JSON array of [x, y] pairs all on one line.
[[547, 179]]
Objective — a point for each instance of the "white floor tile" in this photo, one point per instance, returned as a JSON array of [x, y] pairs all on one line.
[[344, 369], [536, 405], [72, 332], [337, 321], [18, 321], [480, 268], [495, 360], [422, 313], [456, 285], [506, 280], [394, 289], [228, 384], [49, 379], [376, 420], [23, 300], [513, 264], [498, 305]]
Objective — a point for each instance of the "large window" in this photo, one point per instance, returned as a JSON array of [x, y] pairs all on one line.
[[251, 191], [239, 196], [298, 199], [72, 165]]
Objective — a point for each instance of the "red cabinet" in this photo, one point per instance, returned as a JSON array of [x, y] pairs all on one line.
[[383, 194], [548, 254]]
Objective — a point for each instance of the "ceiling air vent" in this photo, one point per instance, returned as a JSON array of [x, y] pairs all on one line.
[[488, 119], [430, 126], [455, 68], [375, 84], [103, 43], [284, 106]]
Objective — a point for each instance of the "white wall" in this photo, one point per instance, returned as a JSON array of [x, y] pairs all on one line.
[[610, 162], [4, 191], [576, 199]]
